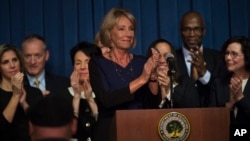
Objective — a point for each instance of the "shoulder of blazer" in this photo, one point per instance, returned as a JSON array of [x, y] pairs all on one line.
[[25, 80], [56, 79], [179, 51], [179, 54], [211, 55], [210, 51]]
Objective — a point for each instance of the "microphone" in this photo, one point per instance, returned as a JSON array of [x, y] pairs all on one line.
[[172, 70], [171, 63]]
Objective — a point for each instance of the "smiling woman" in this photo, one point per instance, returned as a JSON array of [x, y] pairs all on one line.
[[120, 78], [169, 90], [232, 90], [15, 96], [85, 107]]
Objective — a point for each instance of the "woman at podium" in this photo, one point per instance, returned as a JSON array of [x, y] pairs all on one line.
[[120, 78]]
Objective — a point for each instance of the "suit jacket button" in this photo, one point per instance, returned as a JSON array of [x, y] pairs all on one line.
[[87, 110], [87, 124]]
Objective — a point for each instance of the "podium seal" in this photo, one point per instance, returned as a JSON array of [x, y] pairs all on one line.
[[174, 126]]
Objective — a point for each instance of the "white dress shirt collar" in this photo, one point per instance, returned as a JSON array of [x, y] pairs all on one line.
[[41, 79]]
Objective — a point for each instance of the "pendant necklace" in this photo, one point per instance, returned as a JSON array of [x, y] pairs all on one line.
[[121, 73]]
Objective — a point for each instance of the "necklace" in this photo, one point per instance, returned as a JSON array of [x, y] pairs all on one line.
[[124, 75]]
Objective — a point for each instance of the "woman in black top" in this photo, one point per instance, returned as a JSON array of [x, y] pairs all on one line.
[[15, 97]]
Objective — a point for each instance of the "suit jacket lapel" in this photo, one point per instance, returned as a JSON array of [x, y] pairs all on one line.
[[26, 80], [47, 81], [247, 88], [182, 64]]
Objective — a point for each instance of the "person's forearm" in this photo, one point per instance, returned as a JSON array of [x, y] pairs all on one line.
[[76, 103], [136, 84], [93, 107], [153, 86], [10, 110]]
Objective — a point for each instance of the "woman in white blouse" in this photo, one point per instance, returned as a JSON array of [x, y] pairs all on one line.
[[85, 107]]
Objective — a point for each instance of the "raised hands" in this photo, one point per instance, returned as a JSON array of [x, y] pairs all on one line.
[[80, 85], [18, 89], [87, 88], [22, 100], [17, 83], [163, 80], [236, 88], [198, 61], [162, 75], [74, 81], [235, 91], [150, 65]]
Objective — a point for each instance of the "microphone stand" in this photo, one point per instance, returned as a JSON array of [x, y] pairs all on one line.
[[170, 74]]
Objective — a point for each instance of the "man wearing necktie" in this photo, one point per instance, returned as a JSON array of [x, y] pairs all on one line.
[[36, 83], [193, 59], [36, 54]]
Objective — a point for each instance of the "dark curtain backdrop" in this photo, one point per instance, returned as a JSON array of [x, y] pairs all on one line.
[[63, 23]]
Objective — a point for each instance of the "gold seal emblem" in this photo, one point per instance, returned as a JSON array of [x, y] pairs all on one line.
[[174, 126]]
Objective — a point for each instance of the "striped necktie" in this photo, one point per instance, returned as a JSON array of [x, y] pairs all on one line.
[[36, 83]]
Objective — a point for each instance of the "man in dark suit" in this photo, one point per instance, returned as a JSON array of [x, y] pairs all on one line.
[[194, 60], [36, 55]]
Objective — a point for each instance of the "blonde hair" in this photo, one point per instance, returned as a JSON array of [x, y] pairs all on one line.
[[97, 40], [110, 20]]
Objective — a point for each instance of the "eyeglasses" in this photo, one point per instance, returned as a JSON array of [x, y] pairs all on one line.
[[196, 30], [232, 54]]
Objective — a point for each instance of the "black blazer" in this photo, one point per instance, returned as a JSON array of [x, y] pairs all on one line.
[[54, 83], [214, 66], [212, 58], [220, 95], [17, 130]]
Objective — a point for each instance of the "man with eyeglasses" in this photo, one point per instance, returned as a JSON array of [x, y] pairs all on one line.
[[193, 59]]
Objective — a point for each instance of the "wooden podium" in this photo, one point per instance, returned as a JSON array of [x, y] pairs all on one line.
[[206, 124]]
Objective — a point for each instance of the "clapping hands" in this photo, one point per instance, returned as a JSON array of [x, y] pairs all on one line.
[[162, 76], [198, 61], [235, 91], [18, 89], [236, 88], [79, 85], [74, 81], [17, 83], [151, 64]]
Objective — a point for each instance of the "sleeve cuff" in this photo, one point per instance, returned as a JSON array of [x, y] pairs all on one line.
[[82, 93]]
